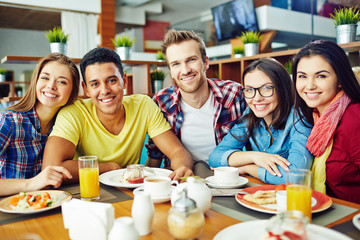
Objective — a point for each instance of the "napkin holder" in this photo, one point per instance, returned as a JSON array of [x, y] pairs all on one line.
[[87, 220]]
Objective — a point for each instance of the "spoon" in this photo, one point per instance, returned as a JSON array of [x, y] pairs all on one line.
[[150, 170]]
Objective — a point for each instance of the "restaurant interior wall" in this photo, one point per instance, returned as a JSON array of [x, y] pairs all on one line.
[[16, 42]]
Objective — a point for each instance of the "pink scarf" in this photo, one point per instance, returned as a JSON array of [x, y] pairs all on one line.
[[325, 125]]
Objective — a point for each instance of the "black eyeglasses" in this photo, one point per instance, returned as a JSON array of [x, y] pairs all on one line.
[[264, 91]]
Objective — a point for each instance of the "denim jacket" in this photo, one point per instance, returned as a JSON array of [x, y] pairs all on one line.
[[289, 143]]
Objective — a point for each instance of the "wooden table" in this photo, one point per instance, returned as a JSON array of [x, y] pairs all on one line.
[[52, 227]]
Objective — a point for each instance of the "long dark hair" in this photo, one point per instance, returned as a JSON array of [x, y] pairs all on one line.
[[339, 62], [284, 91]]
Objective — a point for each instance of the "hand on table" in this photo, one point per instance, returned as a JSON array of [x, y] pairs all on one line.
[[51, 175], [270, 162], [181, 172]]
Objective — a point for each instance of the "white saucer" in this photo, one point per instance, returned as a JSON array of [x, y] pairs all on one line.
[[212, 183], [154, 199]]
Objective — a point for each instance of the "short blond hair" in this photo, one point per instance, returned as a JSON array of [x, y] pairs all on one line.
[[173, 36]]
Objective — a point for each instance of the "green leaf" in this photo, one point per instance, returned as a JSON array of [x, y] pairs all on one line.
[[123, 41], [250, 37], [157, 75], [238, 50], [346, 16], [56, 35]]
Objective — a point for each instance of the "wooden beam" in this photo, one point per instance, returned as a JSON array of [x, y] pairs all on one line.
[[107, 25]]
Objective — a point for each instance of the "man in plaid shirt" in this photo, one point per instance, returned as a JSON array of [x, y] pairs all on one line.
[[200, 110]]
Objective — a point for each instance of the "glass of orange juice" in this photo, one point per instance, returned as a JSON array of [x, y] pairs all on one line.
[[89, 177], [299, 191]]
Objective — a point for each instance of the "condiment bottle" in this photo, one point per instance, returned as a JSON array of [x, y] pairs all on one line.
[[142, 212], [185, 220]]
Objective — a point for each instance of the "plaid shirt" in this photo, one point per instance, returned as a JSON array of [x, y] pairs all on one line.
[[228, 106], [21, 144]]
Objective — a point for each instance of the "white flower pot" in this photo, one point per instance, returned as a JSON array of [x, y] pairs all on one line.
[[124, 52], [2, 77], [345, 33], [251, 49], [58, 47], [158, 85], [238, 55]]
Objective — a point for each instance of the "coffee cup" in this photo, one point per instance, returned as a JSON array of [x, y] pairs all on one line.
[[226, 175], [158, 186], [281, 203]]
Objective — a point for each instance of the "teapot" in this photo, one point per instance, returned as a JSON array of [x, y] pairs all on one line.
[[196, 190]]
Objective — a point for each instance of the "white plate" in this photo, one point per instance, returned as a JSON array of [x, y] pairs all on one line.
[[115, 179], [63, 196], [256, 229], [356, 221], [155, 199], [212, 183], [319, 201]]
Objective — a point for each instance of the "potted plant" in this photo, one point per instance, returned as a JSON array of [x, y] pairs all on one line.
[[288, 66], [251, 40], [238, 51], [2, 75], [160, 56], [345, 20], [157, 78], [123, 46], [57, 39]]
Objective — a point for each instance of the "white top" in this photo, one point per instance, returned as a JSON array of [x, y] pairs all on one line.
[[197, 130]]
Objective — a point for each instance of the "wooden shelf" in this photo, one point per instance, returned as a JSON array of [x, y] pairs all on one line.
[[26, 60]]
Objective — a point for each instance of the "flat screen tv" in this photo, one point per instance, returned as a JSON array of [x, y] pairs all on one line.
[[232, 18]]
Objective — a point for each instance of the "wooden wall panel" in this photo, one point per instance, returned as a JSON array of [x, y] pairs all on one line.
[[107, 26]]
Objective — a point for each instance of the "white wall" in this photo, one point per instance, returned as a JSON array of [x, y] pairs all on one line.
[[89, 6], [22, 43]]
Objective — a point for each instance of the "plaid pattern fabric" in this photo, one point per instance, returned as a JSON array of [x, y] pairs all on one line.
[[21, 144], [228, 106]]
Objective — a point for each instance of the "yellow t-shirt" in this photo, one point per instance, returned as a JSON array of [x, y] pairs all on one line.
[[80, 124]]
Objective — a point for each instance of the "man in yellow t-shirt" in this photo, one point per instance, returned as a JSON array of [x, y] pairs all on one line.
[[110, 125]]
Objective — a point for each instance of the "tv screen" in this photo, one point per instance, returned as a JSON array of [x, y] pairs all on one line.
[[232, 18]]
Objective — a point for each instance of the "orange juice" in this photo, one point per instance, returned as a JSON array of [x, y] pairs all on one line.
[[89, 182], [299, 198]]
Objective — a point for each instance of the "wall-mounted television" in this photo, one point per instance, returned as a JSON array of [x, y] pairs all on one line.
[[232, 18]]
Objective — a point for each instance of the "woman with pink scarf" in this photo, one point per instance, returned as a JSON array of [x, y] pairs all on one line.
[[328, 95]]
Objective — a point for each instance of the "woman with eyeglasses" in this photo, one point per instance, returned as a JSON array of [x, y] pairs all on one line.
[[269, 139], [328, 95]]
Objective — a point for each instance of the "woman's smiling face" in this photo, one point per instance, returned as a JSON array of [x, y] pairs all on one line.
[[263, 107], [316, 82]]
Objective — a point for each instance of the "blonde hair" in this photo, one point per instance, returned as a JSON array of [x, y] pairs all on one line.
[[29, 100], [173, 37]]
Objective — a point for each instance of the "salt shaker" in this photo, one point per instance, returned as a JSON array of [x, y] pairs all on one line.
[[185, 220], [142, 212]]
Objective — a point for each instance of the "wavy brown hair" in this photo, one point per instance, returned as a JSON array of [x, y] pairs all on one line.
[[30, 99]]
